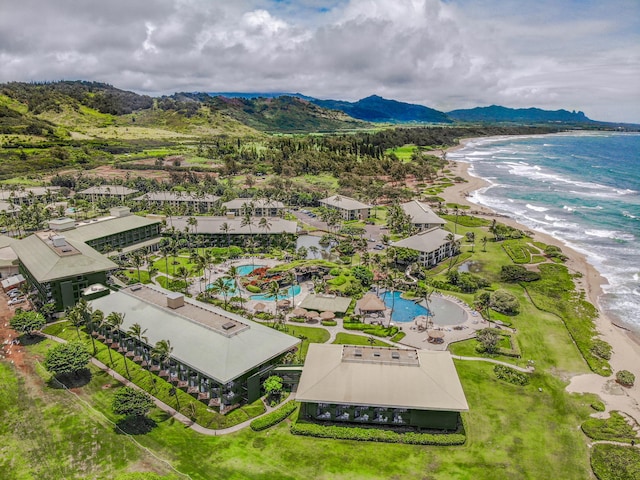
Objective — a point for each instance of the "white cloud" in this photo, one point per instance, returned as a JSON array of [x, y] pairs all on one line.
[[444, 54]]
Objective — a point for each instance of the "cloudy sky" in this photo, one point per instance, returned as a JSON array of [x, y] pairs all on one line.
[[446, 54]]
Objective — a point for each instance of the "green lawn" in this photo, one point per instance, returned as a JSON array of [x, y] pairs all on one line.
[[353, 339], [310, 334], [513, 433]]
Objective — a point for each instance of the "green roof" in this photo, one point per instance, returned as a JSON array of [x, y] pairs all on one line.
[[197, 332], [47, 264]]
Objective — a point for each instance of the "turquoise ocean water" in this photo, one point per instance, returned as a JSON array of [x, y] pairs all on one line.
[[582, 188]]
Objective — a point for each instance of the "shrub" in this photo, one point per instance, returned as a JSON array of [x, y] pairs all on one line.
[[511, 375], [517, 273], [335, 271], [601, 349], [273, 418], [253, 288], [625, 378], [615, 428], [329, 323], [398, 336], [504, 302], [615, 462], [598, 406], [376, 434]]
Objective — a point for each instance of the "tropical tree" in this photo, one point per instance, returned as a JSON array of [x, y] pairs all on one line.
[[273, 290], [220, 286], [27, 322], [161, 352], [273, 385], [265, 225], [67, 358], [130, 401], [75, 318], [137, 260], [114, 321], [484, 243], [234, 274], [225, 228], [183, 275]]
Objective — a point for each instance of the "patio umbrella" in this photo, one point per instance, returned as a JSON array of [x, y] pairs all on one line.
[[259, 307], [283, 303], [299, 312], [311, 314], [435, 334], [327, 315]]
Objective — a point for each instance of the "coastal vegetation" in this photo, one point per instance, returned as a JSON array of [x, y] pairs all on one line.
[[520, 424]]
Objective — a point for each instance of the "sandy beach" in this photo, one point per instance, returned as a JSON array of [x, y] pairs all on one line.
[[626, 344]]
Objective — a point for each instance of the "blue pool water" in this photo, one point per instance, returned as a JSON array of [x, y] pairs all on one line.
[[403, 310], [284, 294], [244, 270], [230, 283], [443, 311]]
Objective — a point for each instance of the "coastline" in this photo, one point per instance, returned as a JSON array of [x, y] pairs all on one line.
[[625, 343]]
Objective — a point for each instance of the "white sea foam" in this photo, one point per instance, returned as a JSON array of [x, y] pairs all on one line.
[[536, 208], [567, 208], [609, 234], [549, 218], [628, 215]]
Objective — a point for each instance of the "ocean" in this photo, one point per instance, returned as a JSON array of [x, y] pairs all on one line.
[[582, 188]]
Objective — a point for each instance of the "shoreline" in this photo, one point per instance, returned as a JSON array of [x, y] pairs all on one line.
[[625, 342]]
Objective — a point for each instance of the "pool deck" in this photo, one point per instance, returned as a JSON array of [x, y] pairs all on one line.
[[416, 336]]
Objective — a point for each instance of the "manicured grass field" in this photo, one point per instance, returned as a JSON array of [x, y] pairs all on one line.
[[353, 339], [513, 432], [310, 334]]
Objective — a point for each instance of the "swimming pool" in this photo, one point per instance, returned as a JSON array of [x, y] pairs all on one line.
[[284, 294], [229, 282], [443, 311], [244, 270]]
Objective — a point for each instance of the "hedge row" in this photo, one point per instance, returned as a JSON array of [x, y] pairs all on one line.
[[376, 435], [273, 418], [369, 329], [511, 375]]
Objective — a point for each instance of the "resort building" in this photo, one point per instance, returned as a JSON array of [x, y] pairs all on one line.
[[29, 196], [381, 386], [118, 192], [8, 258], [60, 268], [325, 303], [200, 203], [116, 235], [422, 217], [63, 261], [433, 245], [232, 230], [260, 207], [218, 357], [349, 208]]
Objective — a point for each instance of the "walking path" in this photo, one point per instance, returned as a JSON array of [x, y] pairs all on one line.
[[529, 369], [172, 411]]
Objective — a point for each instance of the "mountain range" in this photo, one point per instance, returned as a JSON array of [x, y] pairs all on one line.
[[77, 107]]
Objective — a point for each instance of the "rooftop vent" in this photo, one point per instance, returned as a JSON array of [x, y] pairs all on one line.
[[376, 354], [120, 211], [228, 326], [61, 224], [395, 355], [175, 300], [135, 288], [58, 241], [357, 353]]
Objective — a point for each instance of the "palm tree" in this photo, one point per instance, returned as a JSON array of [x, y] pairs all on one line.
[[221, 287], [274, 291], [75, 318], [456, 211], [235, 275], [265, 225], [183, 274], [137, 332], [97, 318], [193, 222], [161, 352], [114, 321], [137, 260], [225, 228], [484, 243], [472, 238]]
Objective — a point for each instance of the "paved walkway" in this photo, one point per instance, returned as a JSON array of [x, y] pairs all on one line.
[[172, 411], [497, 362]]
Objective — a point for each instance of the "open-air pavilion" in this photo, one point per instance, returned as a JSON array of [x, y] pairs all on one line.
[[325, 303]]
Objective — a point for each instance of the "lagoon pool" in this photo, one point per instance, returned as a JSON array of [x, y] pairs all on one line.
[[233, 291], [284, 294], [244, 270], [443, 311]]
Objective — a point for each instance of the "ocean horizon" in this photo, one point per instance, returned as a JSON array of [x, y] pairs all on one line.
[[582, 188]]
